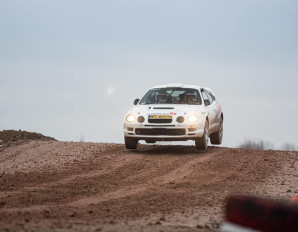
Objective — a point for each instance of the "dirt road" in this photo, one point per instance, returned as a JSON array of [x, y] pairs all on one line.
[[66, 186]]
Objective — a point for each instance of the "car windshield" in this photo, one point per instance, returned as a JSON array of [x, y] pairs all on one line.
[[172, 96]]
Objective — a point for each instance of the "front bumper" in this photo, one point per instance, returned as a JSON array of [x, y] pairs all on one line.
[[164, 132]]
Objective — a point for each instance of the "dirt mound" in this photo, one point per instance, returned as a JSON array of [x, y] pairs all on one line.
[[67, 186], [13, 137]]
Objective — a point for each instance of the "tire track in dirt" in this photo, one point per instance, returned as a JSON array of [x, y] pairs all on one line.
[[178, 173], [66, 180]]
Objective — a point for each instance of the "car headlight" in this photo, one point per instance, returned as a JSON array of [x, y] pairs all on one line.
[[192, 118], [130, 118]]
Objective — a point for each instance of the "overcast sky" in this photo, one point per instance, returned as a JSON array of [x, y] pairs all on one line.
[[71, 69]]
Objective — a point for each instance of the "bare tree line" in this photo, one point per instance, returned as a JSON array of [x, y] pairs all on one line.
[[289, 147], [260, 144]]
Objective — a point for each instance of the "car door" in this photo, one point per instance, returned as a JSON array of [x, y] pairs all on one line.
[[217, 108], [211, 107]]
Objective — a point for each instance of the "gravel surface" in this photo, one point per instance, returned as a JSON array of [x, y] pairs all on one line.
[[67, 186]]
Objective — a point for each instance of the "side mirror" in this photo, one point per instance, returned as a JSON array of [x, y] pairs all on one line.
[[136, 101], [207, 102]]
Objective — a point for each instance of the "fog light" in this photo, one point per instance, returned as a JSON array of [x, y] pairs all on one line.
[[141, 119], [180, 119]]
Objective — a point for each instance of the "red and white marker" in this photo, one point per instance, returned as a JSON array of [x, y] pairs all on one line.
[[262, 214]]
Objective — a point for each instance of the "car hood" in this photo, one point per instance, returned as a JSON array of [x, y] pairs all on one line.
[[177, 110]]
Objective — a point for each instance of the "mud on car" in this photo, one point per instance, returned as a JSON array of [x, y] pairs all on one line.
[[175, 112]]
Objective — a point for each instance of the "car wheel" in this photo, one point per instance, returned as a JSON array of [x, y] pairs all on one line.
[[216, 138], [131, 143], [202, 143]]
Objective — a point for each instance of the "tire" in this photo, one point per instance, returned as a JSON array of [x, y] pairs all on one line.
[[131, 143], [216, 138], [202, 143]]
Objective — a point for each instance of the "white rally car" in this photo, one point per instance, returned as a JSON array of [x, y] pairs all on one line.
[[175, 112]]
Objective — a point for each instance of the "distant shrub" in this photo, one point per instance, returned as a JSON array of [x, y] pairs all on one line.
[[259, 144], [256, 144], [82, 138], [289, 147]]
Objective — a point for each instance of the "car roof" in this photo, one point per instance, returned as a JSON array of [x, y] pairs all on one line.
[[179, 85], [176, 85]]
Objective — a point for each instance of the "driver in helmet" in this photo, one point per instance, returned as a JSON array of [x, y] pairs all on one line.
[[161, 98]]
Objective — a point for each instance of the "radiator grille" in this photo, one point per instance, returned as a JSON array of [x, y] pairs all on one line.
[[160, 131]]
